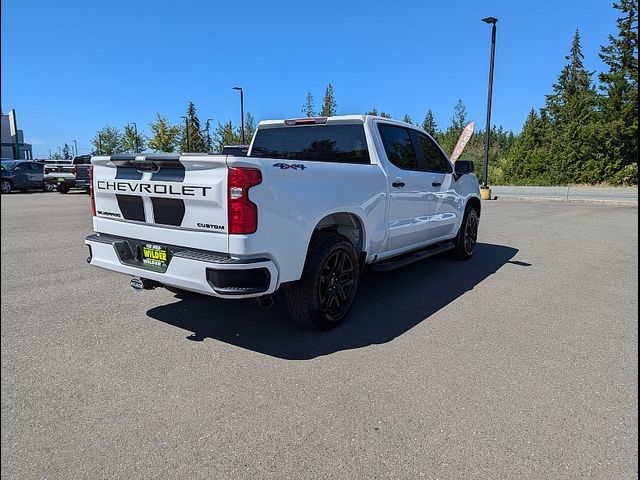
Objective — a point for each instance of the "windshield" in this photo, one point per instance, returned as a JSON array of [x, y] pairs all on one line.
[[8, 164]]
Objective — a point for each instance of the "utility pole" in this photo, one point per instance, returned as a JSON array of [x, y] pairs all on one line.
[[135, 141], [241, 112], [487, 192]]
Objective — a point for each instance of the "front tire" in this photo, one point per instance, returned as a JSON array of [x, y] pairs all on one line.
[[6, 186], [324, 295], [465, 241], [49, 187]]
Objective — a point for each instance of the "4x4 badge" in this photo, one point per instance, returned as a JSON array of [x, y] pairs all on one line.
[[285, 166]]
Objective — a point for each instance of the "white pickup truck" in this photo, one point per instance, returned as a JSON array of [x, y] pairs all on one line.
[[313, 202]]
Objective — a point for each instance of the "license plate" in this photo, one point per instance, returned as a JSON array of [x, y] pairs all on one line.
[[61, 180], [154, 255]]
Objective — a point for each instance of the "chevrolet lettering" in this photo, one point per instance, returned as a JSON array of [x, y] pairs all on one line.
[[153, 188]]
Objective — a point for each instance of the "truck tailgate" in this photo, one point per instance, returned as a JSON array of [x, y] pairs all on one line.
[[169, 199]]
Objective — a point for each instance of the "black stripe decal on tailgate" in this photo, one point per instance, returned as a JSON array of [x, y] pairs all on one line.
[[169, 172], [131, 207], [168, 211], [124, 169]]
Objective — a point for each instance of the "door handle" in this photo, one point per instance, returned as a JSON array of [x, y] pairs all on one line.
[[436, 184], [398, 184]]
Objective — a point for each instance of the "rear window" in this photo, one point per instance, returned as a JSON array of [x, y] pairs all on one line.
[[318, 143]]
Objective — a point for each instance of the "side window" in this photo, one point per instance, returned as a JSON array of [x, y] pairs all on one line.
[[398, 146], [36, 167], [431, 157]]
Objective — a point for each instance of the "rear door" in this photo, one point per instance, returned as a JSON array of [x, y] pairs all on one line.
[[171, 199], [35, 174]]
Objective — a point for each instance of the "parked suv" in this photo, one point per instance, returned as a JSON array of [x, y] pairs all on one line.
[[22, 175]]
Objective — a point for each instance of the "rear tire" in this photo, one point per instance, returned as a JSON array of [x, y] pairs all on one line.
[[49, 187], [63, 188], [465, 241], [324, 295], [6, 186]]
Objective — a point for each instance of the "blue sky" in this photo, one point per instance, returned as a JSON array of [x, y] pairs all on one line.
[[69, 68]]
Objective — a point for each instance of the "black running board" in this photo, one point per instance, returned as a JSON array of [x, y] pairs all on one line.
[[409, 258]]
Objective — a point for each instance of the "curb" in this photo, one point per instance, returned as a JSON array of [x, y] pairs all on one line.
[[522, 198]]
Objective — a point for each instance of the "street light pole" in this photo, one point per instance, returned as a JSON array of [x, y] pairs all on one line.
[[75, 147], [241, 112], [186, 126], [135, 137], [492, 21]]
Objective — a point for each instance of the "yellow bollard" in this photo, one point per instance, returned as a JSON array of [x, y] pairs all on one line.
[[485, 193]]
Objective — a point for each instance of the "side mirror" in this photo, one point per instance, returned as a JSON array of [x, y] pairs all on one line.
[[462, 167]]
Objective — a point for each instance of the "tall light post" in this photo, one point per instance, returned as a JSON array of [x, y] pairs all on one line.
[[492, 21], [186, 128], [241, 111], [75, 147], [135, 137], [208, 125]]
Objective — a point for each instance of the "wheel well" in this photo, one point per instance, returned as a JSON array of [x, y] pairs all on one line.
[[475, 203], [346, 224]]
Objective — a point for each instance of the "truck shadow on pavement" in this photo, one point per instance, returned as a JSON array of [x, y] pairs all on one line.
[[387, 305]]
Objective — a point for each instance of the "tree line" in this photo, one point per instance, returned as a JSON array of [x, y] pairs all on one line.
[[586, 132], [190, 136]]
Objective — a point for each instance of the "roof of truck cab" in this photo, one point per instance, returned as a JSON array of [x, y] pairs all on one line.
[[335, 119]]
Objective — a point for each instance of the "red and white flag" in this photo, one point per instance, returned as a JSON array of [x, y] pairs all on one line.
[[465, 136]]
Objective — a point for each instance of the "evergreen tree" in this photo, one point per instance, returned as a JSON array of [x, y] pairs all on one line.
[[207, 136], [66, 152], [107, 141], [329, 105], [132, 141], [450, 137], [164, 136], [192, 138], [226, 134], [373, 111], [574, 141], [459, 119], [620, 87], [407, 119], [429, 124], [249, 127], [384, 114], [56, 156], [308, 108]]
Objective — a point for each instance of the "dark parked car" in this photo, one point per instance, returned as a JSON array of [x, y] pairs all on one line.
[[23, 175]]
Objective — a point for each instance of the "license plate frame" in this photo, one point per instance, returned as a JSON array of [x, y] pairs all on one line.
[[154, 256]]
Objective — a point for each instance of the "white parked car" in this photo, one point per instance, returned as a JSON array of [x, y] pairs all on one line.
[[314, 201]]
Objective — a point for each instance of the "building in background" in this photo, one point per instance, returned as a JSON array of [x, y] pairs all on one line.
[[13, 145]]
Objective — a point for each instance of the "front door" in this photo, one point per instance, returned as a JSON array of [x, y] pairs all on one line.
[[410, 193], [445, 205]]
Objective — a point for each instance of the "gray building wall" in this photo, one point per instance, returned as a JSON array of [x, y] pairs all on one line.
[[8, 141]]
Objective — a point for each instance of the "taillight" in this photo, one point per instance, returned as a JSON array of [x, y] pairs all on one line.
[[93, 198], [243, 213], [74, 170]]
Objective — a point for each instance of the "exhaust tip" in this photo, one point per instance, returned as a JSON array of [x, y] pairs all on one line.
[[137, 284]]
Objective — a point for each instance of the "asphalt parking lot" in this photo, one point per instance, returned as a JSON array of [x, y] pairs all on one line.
[[521, 363]]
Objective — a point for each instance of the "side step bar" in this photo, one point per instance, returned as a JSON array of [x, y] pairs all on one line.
[[409, 258]]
